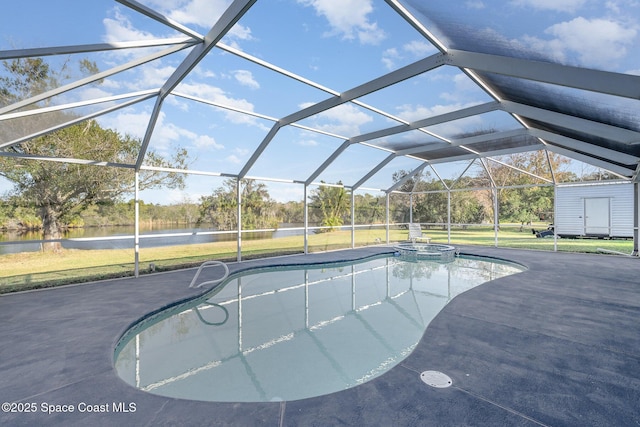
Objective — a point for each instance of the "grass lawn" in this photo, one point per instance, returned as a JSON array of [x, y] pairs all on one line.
[[30, 270]]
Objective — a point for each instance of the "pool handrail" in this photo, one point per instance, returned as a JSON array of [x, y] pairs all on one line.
[[209, 282], [206, 322]]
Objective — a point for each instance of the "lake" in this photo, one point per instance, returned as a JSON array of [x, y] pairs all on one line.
[[121, 237]]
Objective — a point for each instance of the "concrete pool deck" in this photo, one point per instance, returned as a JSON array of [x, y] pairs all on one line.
[[556, 345]]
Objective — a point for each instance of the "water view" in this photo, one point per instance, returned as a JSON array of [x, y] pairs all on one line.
[[121, 237]]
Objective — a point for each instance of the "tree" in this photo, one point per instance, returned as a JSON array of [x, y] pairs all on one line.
[[400, 206], [330, 204], [258, 209], [220, 208], [430, 204], [429, 201], [525, 204], [369, 209], [60, 189], [291, 212]]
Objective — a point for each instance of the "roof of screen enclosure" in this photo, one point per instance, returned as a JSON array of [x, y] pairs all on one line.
[[527, 98]]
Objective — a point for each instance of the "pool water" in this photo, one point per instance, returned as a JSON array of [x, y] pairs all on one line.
[[292, 333]]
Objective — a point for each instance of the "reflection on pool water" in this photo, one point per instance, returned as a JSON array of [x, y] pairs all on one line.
[[291, 333]]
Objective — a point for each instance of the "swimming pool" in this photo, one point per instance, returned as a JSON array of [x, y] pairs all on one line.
[[296, 332]]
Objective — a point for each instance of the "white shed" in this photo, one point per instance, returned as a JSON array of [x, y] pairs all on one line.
[[603, 209]]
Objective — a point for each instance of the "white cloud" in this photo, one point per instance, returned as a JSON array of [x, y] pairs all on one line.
[[119, 28], [596, 42], [556, 5], [415, 48], [349, 18], [419, 48], [245, 78], [233, 159], [623, 7], [216, 94], [308, 142], [164, 134], [125, 122], [413, 113], [463, 92], [475, 4], [206, 141], [343, 120], [238, 156], [200, 13], [148, 76], [389, 58], [90, 93]]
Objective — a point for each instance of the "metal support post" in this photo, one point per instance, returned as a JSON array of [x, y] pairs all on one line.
[[496, 216], [306, 220], [449, 216], [388, 218], [636, 218], [136, 223], [239, 225], [353, 217]]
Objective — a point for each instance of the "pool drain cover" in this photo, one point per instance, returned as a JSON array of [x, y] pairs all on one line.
[[436, 379]]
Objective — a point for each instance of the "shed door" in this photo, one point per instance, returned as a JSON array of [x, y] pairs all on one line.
[[596, 216]]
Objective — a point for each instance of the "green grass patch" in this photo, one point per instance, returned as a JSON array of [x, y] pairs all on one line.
[[32, 270]]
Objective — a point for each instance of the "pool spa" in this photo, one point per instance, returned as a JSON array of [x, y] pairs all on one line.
[[289, 333]]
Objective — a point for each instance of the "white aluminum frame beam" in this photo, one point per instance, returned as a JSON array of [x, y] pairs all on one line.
[[454, 115], [432, 146], [416, 24], [619, 170], [140, 8], [77, 120], [26, 113], [258, 151], [91, 79], [389, 79], [455, 181], [488, 155], [64, 160], [275, 68], [585, 147], [346, 144], [85, 48], [618, 84], [407, 177], [464, 141], [228, 19], [519, 170], [486, 169], [430, 121], [373, 171], [253, 114], [300, 79], [601, 130], [514, 133]]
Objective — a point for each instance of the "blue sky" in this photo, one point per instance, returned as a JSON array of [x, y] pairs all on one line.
[[338, 44]]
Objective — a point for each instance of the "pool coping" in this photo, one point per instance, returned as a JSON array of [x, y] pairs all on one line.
[[554, 345]]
